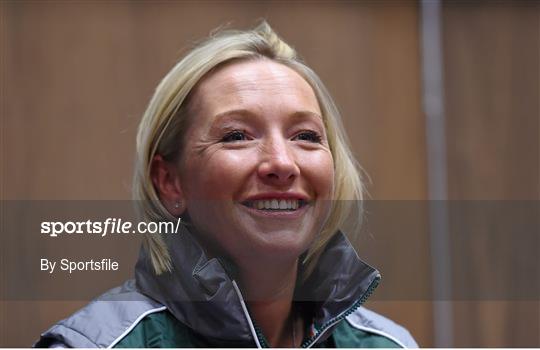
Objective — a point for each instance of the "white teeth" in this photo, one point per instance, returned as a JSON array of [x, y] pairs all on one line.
[[276, 204]]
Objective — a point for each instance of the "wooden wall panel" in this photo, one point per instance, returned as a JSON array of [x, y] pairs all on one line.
[[491, 55], [492, 72]]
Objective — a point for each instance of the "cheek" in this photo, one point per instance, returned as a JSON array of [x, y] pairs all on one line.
[[319, 171], [217, 175]]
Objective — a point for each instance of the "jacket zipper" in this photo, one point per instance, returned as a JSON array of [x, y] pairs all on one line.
[[261, 337], [309, 342]]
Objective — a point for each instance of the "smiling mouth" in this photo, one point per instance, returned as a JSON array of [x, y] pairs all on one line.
[[276, 205]]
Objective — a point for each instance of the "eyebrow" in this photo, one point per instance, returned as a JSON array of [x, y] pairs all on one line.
[[247, 113]]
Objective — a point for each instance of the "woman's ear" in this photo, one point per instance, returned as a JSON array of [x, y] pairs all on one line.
[[166, 180]]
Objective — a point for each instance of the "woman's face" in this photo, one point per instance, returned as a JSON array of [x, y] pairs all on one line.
[[256, 172]]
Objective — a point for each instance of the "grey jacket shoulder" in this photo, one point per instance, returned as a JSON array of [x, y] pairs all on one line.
[[103, 322], [371, 322]]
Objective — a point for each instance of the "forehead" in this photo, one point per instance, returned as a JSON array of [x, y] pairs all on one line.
[[254, 84]]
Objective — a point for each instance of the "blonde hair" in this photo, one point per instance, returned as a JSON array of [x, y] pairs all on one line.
[[166, 119]]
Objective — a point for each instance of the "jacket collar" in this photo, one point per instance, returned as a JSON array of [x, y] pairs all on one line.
[[202, 294]]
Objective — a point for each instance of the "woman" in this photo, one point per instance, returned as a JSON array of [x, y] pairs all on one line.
[[243, 142]]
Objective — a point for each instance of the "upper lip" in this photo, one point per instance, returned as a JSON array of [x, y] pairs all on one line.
[[277, 195]]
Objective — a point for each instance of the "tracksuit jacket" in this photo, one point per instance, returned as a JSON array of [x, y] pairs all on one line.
[[199, 304]]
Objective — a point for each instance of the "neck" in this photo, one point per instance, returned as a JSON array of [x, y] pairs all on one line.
[[269, 295]]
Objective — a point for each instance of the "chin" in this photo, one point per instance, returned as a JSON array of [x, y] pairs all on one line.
[[278, 243]]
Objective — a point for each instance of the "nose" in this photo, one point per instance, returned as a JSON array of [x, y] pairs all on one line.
[[278, 166]]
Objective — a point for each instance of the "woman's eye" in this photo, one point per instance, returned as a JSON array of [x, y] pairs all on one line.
[[310, 136], [234, 136]]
